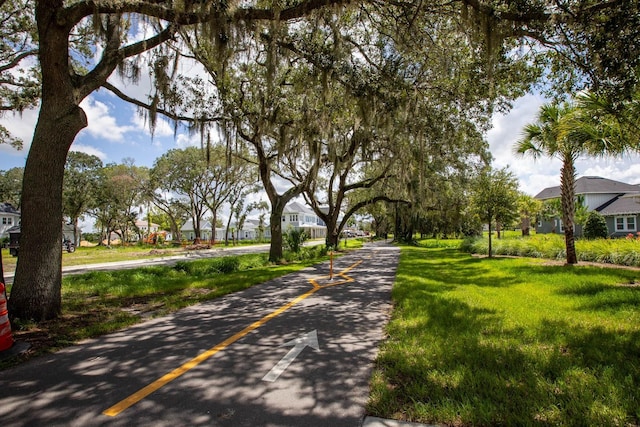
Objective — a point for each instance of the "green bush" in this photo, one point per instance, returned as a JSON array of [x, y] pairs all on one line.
[[294, 239], [551, 246], [595, 226]]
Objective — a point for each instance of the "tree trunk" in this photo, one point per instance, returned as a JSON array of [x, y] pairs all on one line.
[[36, 290], [275, 249], [333, 237], [526, 226], [567, 191], [76, 241], [490, 248]]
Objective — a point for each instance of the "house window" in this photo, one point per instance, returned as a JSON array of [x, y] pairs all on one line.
[[284, 219], [293, 217], [625, 223], [560, 226], [8, 221], [4, 221]]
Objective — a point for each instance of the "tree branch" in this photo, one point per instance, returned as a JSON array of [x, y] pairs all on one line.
[[113, 56], [173, 116], [73, 14], [17, 59]]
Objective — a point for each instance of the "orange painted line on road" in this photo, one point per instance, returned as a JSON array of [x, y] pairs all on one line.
[[164, 380]]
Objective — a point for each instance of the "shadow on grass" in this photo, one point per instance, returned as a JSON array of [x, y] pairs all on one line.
[[453, 363], [595, 288]]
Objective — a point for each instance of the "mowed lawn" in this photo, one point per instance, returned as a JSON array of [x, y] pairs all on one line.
[[504, 341]]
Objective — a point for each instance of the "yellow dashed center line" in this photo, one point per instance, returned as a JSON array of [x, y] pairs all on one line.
[[167, 378]]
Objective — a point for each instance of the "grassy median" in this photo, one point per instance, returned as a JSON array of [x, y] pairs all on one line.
[[503, 341]]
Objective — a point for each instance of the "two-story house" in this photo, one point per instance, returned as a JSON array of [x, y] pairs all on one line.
[[614, 200], [298, 216], [9, 217]]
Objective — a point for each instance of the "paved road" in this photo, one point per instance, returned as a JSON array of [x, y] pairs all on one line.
[[296, 351]]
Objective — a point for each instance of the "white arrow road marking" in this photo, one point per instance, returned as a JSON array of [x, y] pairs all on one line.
[[309, 339]]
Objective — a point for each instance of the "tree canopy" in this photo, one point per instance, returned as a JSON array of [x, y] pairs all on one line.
[[464, 58]]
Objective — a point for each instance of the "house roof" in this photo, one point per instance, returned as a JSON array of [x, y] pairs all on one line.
[[144, 223], [622, 206], [295, 207], [8, 208], [591, 185]]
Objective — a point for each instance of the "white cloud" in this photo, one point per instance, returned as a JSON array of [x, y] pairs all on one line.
[[21, 125], [87, 149], [184, 140], [101, 124], [163, 127]]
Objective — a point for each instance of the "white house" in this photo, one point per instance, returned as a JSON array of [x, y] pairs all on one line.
[[146, 227], [9, 216], [298, 216], [188, 231]]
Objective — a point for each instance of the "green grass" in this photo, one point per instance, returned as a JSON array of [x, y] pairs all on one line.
[[509, 342], [100, 254]]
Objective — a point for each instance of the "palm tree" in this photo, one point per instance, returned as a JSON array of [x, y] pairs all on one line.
[[548, 137], [604, 127], [594, 126]]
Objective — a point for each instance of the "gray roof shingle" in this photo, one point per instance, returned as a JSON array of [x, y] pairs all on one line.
[[591, 185]]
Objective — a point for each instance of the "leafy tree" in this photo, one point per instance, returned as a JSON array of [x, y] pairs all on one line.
[[229, 175], [69, 36], [495, 197], [120, 191], [529, 208], [184, 174], [11, 186], [80, 180], [595, 227], [19, 73]]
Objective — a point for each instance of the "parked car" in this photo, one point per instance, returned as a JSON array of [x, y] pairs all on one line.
[[14, 242]]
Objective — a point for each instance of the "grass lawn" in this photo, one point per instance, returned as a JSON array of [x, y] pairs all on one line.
[[100, 254], [504, 341]]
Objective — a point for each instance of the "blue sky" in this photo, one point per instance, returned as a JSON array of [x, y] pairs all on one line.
[[116, 131]]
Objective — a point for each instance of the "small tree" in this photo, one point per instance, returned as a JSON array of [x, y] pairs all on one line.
[[494, 198], [294, 239], [595, 227]]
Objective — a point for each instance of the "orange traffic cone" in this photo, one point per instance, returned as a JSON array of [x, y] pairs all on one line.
[[6, 339]]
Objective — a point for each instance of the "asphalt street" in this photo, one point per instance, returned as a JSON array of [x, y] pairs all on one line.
[[295, 351]]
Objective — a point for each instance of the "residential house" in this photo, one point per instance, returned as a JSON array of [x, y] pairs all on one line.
[[9, 217], [613, 199], [188, 231], [147, 227], [297, 216]]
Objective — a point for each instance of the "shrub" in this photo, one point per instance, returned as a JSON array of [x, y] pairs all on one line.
[[294, 239], [595, 226]]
